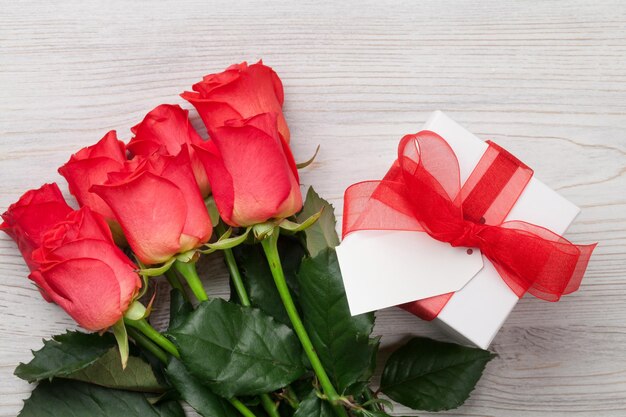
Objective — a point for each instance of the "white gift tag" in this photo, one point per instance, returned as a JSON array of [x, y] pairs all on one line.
[[383, 268]]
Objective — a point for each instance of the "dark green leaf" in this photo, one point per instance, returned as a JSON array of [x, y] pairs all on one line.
[[107, 371], [169, 409], [313, 406], [429, 375], [302, 387], [341, 341], [257, 276], [179, 308], [357, 388], [65, 354], [322, 234], [77, 399], [198, 396], [238, 350]]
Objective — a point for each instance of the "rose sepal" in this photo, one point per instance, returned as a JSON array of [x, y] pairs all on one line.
[[226, 242], [121, 336], [308, 162], [293, 227]]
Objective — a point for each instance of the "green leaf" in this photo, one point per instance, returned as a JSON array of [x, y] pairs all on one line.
[[107, 371], [170, 408], [429, 375], [313, 406], [321, 234], [198, 396], [237, 350], [357, 388], [179, 309], [341, 341], [65, 354], [89, 358], [78, 399], [258, 279]]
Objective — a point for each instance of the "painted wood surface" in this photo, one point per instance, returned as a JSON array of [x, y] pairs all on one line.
[[547, 80]]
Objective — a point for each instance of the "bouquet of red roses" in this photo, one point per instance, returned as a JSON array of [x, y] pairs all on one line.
[[285, 344]]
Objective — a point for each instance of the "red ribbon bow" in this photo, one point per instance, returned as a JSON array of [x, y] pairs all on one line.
[[422, 192]]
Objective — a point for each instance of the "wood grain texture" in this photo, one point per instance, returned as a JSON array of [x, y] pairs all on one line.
[[547, 80]]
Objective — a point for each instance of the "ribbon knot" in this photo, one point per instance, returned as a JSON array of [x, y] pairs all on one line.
[[422, 192], [469, 235]]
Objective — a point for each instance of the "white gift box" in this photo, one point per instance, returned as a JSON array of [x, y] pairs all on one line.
[[386, 268]]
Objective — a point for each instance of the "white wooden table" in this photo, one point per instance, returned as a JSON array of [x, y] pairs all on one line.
[[545, 79]]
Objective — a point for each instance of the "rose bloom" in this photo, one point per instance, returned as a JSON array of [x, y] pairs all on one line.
[[31, 216], [240, 92], [159, 206], [90, 166], [252, 172], [165, 130], [84, 272]]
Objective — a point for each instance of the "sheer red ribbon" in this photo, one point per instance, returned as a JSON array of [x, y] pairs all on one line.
[[422, 192]]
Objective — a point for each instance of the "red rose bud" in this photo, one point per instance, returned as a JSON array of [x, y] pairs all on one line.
[[252, 172], [84, 272], [159, 207], [90, 166], [240, 92], [165, 130], [31, 216]]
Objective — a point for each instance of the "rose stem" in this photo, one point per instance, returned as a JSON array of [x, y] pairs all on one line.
[[271, 252], [268, 404], [146, 343], [369, 397], [245, 411], [144, 327], [151, 335], [174, 281], [188, 271]]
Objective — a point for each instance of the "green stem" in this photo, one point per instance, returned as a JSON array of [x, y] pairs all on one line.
[[174, 281], [290, 396], [147, 344], [144, 327], [235, 275], [241, 407], [369, 396], [188, 271], [268, 404], [271, 252]]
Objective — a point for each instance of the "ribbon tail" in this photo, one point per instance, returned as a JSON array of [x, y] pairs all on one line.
[[428, 308]]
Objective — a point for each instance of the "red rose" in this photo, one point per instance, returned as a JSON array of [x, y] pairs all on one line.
[[83, 271], [165, 130], [240, 92], [159, 207], [90, 166], [33, 214], [252, 173]]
